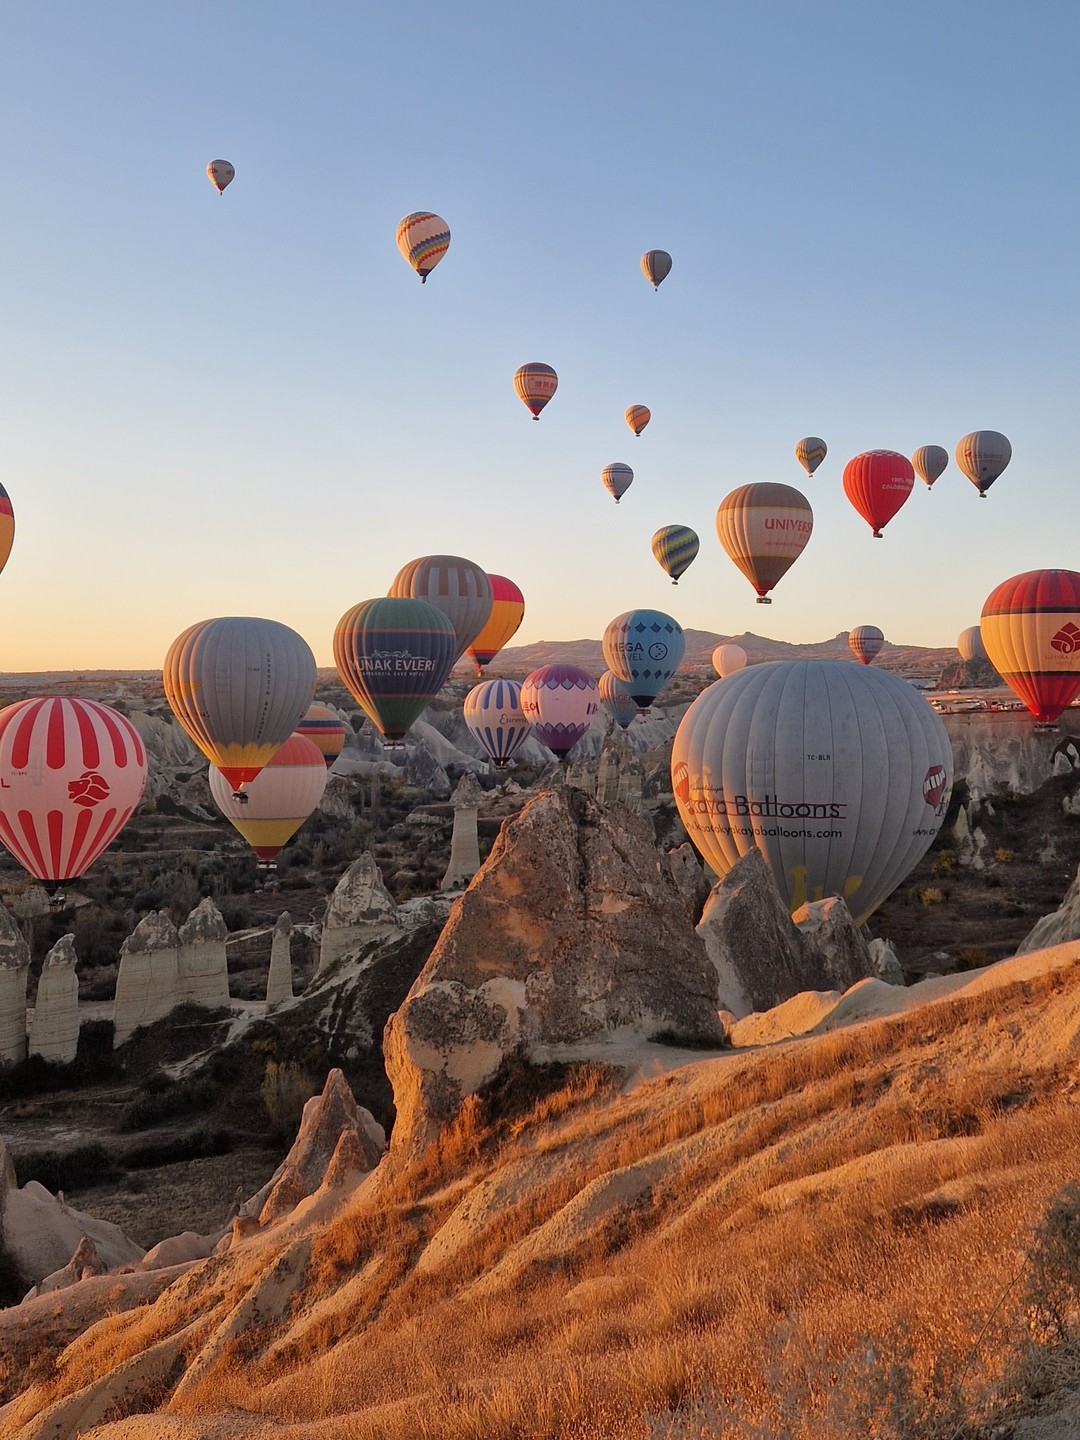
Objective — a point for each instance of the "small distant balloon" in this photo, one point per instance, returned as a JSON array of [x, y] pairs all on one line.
[[494, 716], [637, 417], [278, 801], [982, 456], [507, 613], [656, 267], [726, 659], [929, 462], [560, 702], [764, 527], [877, 483], [970, 644], [423, 238], [674, 548], [810, 451], [643, 649], [865, 641], [535, 384], [221, 173], [617, 479], [7, 527], [324, 727]]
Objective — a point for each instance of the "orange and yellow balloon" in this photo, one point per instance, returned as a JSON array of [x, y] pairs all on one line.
[[535, 384], [637, 417], [764, 528], [507, 613], [423, 238]]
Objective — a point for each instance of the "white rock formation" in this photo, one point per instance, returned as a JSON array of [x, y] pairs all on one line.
[[147, 982], [969, 838], [885, 963], [361, 909], [1059, 926], [279, 981], [14, 961], [202, 971], [54, 1031], [996, 754], [464, 843]]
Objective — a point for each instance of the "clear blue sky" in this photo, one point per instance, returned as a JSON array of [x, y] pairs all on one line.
[[249, 405]]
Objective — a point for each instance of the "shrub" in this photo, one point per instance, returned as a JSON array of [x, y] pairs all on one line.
[[931, 895], [943, 863], [1002, 855]]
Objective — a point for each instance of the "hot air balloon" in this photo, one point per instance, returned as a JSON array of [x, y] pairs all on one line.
[[929, 462], [221, 173], [423, 238], [970, 644], [324, 727], [279, 799], [865, 642], [559, 701], [656, 267], [71, 773], [494, 716], [637, 417], [507, 613], [621, 705], [7, 527], [617, 479], [239, 686], [982, 456], [810, 451], [675, 547], [726, 659], [764, 528], [1030, 628], [535, 384], [454, 585], [877, 483], [839, 774], [394, 655], [643, 649]]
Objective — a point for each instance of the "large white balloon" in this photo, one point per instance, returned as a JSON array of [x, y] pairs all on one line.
[[838, 773]]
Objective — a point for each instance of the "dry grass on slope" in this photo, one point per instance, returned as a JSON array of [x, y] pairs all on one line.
[[825, 1237]]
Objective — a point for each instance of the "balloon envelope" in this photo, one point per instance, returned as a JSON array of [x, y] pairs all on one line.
[[656, 267], [839, 774], [929, 462], [726, 659], [643, 649], [1030, 628], [621, 705], [970, 644], [454, 585], [877, 483], [494, 716], [324, 727], [982, 456], [637, 417], [535, 384], [221, 173], [507, 613], [71, 773], [865, 642], [617, 479], [675, 548], [239, 686], [394, 655], [810, 451], [423, 238], [764, 528], [280, 798], [560, 702], [7, 527]]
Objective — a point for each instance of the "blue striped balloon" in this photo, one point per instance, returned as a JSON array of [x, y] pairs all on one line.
[[675, 547], [643, 649], [493, 715]]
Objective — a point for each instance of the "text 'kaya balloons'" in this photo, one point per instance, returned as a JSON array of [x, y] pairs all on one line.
[[221, 173], [494, 716], [764, 528], [239, 686], [637, 417], [423, 238], [865, 641], [656, 267], [877, 483], [621, 705], [535, 384], [839, 774], [675, 548], [279, 799], [394, 655], [454, 585], [930, 462], [71, 773], [617, 479], [810, 451], [970, 644], [726, 659], [1031, 630], [7, 527], [643, 649], [559, 701], [982, 456], [507, 613], [325, 728]]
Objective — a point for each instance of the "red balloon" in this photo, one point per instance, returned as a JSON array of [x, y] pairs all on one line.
[[877, 483]]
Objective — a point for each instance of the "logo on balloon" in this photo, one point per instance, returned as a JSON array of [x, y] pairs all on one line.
[[933, 788], [1067, 639], [90, 789], [680, 779], [658, 651]]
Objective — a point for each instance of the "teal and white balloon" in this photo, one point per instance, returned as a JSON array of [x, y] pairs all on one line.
[[643, 649]]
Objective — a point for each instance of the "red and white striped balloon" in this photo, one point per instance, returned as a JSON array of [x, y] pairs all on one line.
[[71, 773]]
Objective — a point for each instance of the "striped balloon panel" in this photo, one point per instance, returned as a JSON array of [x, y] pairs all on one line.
[[728, 658], [423, 238], [656, 267], [280, 798], [1030, 628], [617, 479], [621, 706], [507, 613], [394, 654], [637, 417], [675, 548], [810, 452], [71, 773], [457, 587], [535, 384], [560, 702], [239, 686], [495, 718], [877, 483], [7, 527], [643, 648], [764, 528], [930, 462], [865, 641], [982, 456], [838, 774], [325, 729]]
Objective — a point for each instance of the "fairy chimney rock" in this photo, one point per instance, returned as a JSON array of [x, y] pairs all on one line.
[[464, 843], [279, 981], [360, 909], [202, 970], [54, 1030], [147, 983], [14, 960], [572, 931]]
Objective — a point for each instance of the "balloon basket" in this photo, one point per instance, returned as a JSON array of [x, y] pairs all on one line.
[[241, 797], [763, 600], [57, 901], [265, 865]]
